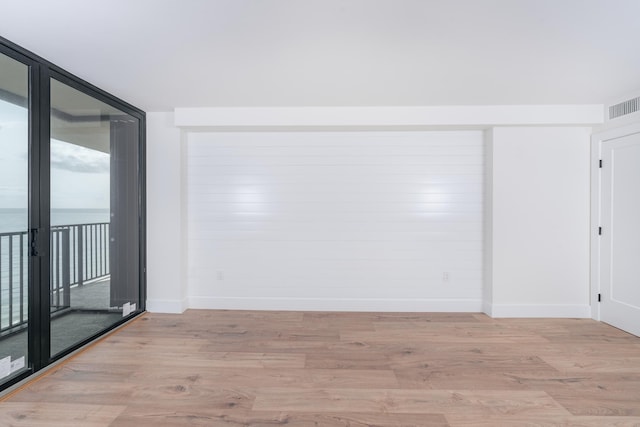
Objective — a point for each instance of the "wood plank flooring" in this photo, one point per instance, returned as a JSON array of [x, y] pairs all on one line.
[[250, 368]]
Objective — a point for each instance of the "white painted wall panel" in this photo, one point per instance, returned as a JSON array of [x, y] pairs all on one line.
[[540, 224], [166, 284], [344, 220]]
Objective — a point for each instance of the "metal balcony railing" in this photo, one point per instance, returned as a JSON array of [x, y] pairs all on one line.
[[79, 253], [13, 280]]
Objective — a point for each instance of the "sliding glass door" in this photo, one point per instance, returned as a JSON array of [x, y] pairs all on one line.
[[94, 216], [71, 213], [14, 215]]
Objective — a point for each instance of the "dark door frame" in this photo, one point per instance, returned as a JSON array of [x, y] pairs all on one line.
[[41, 72]]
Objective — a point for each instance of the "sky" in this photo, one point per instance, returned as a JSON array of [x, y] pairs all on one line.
[[79, 176]]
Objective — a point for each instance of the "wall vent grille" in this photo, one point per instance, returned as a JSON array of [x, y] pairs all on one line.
[[624, 108]]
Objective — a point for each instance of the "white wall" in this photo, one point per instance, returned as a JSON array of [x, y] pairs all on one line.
[[540, 225], [336, 220], [166, 286], [536, 220]]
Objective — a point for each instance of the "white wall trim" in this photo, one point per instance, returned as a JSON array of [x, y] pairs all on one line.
[[467, 115], [487, 308], [619, 132], [332, 304], [594, 267], [541, 310], [487, 237], [167, 306]]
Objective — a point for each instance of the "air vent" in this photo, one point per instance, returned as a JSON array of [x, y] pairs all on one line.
[[624, 108]]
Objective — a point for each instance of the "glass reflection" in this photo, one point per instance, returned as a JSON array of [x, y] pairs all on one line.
[[14, 204], [94, 216]]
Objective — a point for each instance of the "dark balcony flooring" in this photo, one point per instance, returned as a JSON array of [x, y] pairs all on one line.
[[89, 315], [91, 296]]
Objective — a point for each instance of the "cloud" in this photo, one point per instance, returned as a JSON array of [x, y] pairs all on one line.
[[74, 158], [13, 189], [18, 124]]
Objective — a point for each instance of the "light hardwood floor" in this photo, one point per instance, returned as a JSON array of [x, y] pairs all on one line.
[[235, 368]]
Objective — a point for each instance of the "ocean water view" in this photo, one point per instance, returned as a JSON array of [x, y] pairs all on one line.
[[12, 220]]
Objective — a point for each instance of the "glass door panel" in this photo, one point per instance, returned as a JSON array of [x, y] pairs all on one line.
[[14, 208], [94, 216]]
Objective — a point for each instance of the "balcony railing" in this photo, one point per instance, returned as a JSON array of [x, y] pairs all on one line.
[[13, 280], [79, 253]]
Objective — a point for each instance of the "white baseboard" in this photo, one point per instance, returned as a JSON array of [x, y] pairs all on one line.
[[166, 306], [487, 308], [539, 310], [372, 304], [330, 304]]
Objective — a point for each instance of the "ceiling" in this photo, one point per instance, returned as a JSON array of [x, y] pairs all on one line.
[[163, 54]]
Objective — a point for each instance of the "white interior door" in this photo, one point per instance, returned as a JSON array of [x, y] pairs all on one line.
[[620, 240]]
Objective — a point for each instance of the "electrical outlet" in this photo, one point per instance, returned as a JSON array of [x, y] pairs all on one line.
[[220, 275], [445, 276]]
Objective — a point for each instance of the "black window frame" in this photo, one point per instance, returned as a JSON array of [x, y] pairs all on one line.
[[41, 72]]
